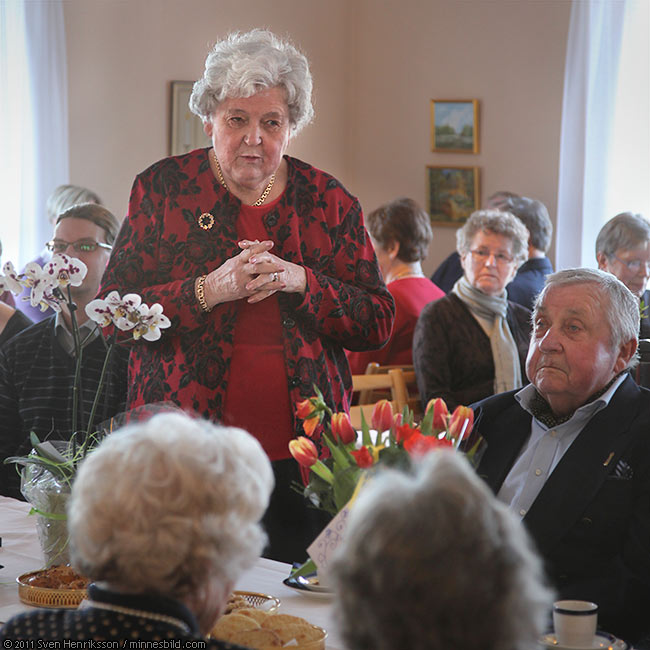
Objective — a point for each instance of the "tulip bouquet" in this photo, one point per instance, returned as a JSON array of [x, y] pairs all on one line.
[[396, 441]]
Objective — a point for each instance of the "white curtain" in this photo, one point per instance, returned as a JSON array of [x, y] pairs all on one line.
[[33, 121], [590, 84]]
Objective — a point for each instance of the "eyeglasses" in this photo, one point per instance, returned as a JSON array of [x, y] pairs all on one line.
[[481, 255], [80, 246], [633, 265]]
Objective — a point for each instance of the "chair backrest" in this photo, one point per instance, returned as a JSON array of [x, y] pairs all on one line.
[[407, 388], [641, 373], [393, 383]]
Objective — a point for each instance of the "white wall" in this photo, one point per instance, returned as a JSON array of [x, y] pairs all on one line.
[[376, 65]]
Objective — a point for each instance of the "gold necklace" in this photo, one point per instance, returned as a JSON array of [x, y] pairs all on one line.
[[222, 180]]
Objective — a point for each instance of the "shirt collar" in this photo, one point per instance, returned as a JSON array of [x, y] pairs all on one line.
[[88, 331], [532, 402]]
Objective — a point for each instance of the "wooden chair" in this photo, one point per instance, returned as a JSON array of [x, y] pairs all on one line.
[[405, 393], [392, 382]]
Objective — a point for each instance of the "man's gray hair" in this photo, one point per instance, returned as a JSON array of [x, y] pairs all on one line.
[[433, 561], [498, 222], [185, 508], [244, 64], [618, 304], [624, 231]]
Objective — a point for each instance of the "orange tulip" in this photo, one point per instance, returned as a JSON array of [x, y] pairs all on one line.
[[305, 408], [457, 422], [310, 425], [342, 428], [304, 451], [440, 413], [382, 416]]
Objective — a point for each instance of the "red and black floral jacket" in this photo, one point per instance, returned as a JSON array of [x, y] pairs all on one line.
[[161, 250]]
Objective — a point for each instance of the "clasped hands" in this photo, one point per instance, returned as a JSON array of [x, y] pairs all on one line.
[[254, 274]]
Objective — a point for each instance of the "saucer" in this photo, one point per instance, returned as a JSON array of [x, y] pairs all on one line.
[[308, 585], [601, 640]]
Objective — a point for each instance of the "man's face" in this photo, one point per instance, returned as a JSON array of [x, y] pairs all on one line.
[[72, 230], [571, 354]]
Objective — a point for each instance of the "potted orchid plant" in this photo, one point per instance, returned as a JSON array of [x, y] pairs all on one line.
[[49, 469]]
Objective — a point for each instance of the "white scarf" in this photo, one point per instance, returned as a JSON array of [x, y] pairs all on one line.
[[494, 309]]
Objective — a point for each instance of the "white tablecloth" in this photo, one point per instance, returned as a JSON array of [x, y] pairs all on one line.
[[21, 553]]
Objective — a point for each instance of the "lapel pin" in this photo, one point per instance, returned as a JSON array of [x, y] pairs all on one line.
[[609, 458]]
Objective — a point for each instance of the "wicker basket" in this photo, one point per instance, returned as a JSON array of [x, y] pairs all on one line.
[[269, 604], [47, 597]]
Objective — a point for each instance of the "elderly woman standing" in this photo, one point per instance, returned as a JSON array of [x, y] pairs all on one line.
[[401, 233], [164, 544], [623, 249], [473, 342], [260, 260], [435, 562]]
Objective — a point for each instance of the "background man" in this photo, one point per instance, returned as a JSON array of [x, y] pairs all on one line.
[[37, 365], [570, 453]]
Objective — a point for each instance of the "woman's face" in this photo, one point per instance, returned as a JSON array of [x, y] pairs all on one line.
[[250, 136], [489, 264], [630, 265]]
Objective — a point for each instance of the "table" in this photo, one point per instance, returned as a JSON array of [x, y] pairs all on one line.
[[20, 553]]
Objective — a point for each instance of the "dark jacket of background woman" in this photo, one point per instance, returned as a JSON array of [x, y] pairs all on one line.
[[452, 353]]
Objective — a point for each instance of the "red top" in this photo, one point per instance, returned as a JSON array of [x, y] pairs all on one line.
[[258, 376], [411, 295]]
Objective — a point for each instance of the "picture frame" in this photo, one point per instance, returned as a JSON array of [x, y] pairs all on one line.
[[454, 125], [186, 129], [453, 193]]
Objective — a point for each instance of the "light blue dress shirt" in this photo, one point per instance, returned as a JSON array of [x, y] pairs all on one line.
[[544, 449]]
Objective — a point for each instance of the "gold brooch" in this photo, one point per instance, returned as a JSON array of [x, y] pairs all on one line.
[[206, 221]]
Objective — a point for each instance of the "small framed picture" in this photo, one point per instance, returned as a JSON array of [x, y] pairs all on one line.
[[453, 194], [186, 129], [454, 125]]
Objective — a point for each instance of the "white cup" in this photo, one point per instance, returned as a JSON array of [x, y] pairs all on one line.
[[575, 622]]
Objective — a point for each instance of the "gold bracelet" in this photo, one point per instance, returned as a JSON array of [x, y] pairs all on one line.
[[200, 294]]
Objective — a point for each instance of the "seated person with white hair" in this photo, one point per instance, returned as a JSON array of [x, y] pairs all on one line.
[[166, 542], [432, 561], [623, 249]]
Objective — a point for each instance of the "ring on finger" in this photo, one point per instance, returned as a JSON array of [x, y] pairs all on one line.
[[274, 276]]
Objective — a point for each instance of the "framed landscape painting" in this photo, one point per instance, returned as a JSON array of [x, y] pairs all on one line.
[[454, 125], [452, 193]]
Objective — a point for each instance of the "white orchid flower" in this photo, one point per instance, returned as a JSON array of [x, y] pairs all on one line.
[[127, 311], [42, 285], [10, 281], [152, 320], [98, 310], [66, 270]]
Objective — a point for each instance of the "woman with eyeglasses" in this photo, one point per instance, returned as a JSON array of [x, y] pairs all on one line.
[[623, 249], [473, 342]]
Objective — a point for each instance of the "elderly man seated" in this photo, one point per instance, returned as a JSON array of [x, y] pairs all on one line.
[[435, 562], [570, 453], [165, 543]]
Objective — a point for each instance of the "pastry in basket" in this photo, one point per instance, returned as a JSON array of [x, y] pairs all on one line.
[[57, 577]]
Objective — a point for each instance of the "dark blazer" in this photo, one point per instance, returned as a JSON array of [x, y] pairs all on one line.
[[452, 354], [529, 281], [591, 520]]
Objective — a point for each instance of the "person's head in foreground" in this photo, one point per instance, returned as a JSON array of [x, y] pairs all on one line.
[[432, 561], [623, 248], [492, 245], [585, 333], [401, 233], [171, 507]]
